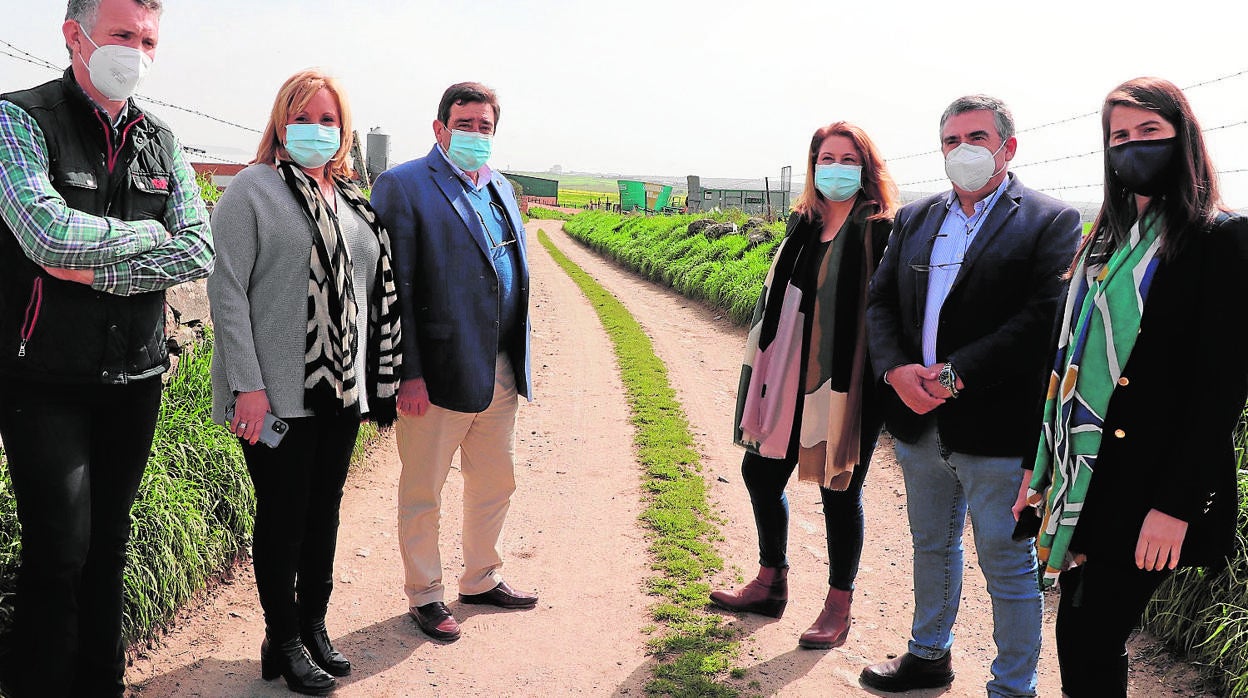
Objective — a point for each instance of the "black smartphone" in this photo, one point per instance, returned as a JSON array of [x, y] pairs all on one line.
[[271, 433], [1028, 525]]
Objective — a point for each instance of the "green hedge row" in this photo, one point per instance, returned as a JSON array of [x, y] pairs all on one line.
[[726, 272], [1203, 614]]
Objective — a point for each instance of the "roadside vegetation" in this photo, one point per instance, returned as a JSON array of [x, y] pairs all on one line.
[[192, 519], [193, 514], [579, 198], [693, 646], [726, 272], [1203, 614], [545, 214]]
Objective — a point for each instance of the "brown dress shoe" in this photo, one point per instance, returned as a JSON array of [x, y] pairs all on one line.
[[436, 621], [502, 596], [907, 672]]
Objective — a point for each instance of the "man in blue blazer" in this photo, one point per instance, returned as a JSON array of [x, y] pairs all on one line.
[[959, 319], [463, 283]]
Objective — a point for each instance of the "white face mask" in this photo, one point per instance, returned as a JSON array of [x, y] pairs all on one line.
[[971, 166], [116, 71]]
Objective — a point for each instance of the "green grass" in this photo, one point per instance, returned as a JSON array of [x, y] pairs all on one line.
[[726, 272], [193, 513], [693, 647], [581, 198], [208, 191], [547, 214]]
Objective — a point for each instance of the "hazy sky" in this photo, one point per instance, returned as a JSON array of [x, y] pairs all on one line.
[[719, 89]]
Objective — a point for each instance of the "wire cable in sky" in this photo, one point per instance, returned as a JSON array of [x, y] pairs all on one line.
[[43, 63], [1076, 117]]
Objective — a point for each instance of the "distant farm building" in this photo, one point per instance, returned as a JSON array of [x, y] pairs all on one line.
[[536, 190], [220, 172], [756, 199]]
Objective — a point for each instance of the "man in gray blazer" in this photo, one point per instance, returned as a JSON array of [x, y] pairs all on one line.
[[463, 283], [959, 319]]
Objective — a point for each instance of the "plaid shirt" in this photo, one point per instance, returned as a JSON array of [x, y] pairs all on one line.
[[128, 257]]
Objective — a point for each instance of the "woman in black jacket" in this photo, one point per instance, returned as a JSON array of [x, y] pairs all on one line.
[[806, 400], [1136, 470]]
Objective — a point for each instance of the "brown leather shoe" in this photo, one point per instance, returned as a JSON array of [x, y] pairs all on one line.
[[436, 621], [907, 672], [832, 626], [502, 596], [767, 594]]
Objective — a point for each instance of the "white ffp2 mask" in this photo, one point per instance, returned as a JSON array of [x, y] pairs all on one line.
[[971, 166], [116, 71]]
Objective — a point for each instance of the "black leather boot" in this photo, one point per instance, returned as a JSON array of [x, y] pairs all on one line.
[[316, 640], [290, 660]]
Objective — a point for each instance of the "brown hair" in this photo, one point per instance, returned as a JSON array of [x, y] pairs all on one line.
[[291, 99], [1192, 199], [877, 184], [462, 93]]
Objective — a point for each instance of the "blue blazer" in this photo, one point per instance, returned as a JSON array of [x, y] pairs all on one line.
[[995, 325], [448, 289]]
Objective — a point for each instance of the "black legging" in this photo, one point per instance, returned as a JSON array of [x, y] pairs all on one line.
[[765, 478], [1100, 605], [298, 492]]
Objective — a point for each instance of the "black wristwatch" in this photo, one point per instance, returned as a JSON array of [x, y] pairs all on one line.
[[948, 379]]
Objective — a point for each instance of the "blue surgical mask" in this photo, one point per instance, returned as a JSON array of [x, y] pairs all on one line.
[[469, 150], [312, 145], [838, 182]]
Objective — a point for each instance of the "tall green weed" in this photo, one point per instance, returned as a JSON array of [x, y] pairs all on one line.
[[1204, 613], [192, 516], [726, 272]]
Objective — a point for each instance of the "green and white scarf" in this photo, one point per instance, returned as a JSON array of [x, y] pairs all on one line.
[[1101, 321]]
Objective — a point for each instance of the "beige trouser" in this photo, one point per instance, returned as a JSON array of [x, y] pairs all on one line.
[[486, 441]]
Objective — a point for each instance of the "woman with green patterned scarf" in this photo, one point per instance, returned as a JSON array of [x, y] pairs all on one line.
[[1135, 472]]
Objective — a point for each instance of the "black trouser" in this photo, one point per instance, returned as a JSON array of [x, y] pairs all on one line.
[[1100, 605], [298, 491], [76, 454], [765, 478]]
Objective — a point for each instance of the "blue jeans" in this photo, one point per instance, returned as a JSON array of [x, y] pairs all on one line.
[[940, 488]]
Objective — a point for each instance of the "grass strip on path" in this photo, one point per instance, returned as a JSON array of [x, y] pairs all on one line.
[[694, 646]]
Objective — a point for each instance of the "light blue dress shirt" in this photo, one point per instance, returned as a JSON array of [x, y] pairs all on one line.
[[948, 249]]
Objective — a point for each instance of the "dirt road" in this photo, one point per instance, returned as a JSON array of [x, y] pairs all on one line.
[[572, 536]]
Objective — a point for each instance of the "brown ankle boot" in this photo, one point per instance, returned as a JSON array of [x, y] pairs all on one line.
[[832, 626], [767, 595]]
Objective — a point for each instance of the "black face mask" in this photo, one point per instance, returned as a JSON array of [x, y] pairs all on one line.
[[1145, 167]]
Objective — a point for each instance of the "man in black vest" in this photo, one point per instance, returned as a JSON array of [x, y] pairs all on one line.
[[99, 214]]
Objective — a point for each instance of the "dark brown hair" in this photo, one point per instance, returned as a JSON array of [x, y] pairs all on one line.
[[877, 184], [1192, 199], [462, 93]]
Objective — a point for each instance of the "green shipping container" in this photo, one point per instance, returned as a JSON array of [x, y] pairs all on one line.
[[643, 195]]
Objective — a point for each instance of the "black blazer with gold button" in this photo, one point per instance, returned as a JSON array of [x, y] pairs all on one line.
[[1169, 427]]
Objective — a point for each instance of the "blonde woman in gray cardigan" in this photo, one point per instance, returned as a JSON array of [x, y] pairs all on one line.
[[307, 329]]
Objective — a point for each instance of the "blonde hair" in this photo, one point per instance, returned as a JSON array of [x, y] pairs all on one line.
[[292, 98]]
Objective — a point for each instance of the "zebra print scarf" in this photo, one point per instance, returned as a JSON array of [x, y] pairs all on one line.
[[331, 369]]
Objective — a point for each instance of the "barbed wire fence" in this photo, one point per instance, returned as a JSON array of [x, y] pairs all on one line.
[[12, 51]]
